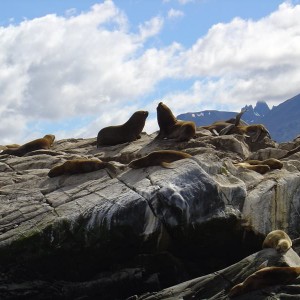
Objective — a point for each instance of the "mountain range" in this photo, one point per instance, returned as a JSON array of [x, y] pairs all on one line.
[[282, 121]]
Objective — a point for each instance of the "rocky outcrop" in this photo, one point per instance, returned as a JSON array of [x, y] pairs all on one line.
[[94, 234]]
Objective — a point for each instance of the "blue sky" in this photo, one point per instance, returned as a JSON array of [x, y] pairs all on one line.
[[72, 67]]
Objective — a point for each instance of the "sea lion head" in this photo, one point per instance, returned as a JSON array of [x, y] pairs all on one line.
[[50, 138], [139, 115], [137, 121], [165, 116]]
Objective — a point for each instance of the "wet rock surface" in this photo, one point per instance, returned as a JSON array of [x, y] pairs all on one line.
[[91, 236]]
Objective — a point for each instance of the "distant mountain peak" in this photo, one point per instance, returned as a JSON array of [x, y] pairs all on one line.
[[261, 108], [282, 120]]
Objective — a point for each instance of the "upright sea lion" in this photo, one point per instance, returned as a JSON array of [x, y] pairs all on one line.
[[264, 278], [78, 166], [171, 128], [261, 168], [158, 158], [237, 120], [128, 132], [42, 143], [278, 240], [273, 163]]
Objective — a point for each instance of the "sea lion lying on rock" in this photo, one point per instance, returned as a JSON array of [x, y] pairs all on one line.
[[158, 158], [264, 278], [42, 143], [261, 166], [128, 132], [79, 166], [218, 126], [256, 131], [171, 128], [262, 169], [273, 163], [278, 240]]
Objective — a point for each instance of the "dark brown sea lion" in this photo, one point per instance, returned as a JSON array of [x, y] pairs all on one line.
[[262, 169], [79, 166], [43, 143], [291, 152], [264, 278], [171, 128], [273, 163], [158, 158], [278, 240], [119, 134], [237, 120]]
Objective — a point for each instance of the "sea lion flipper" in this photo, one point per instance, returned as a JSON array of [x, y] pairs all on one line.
[[215, 132], [167, 165], [239, 115], [226, 129]]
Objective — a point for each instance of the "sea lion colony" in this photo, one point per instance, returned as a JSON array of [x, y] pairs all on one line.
[[169, 128]]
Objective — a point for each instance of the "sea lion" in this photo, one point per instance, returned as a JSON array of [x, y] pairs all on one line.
[[217, 126], [237, 120], [158, 158], [78, 166], [171, 128], [10, 146], [264, 278], [278, 240], [127, 132], [273, 163], [262, 168], [291, 152], [255, 130], [42, 143]]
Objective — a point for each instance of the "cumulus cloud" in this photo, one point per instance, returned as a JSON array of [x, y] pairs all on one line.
[[244, 61], [57, 68], [174, 13]]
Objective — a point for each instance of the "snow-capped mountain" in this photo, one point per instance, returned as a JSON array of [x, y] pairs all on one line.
[[282, 121]]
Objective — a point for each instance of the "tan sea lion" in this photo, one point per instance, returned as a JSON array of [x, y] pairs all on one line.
[[119, 134], [217, 126], [264, 278], [10, 146], [278, 240], [171, 128], [262, 169], [79, 166], [273, 163], [42, 143], [255, 130], [158, 158]]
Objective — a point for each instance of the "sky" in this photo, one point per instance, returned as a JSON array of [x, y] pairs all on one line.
[[72, 67]]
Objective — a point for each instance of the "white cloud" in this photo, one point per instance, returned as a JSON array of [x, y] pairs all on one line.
[[174, 13], [151, 27], [183, 2], [55, 68], [244, 61]]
